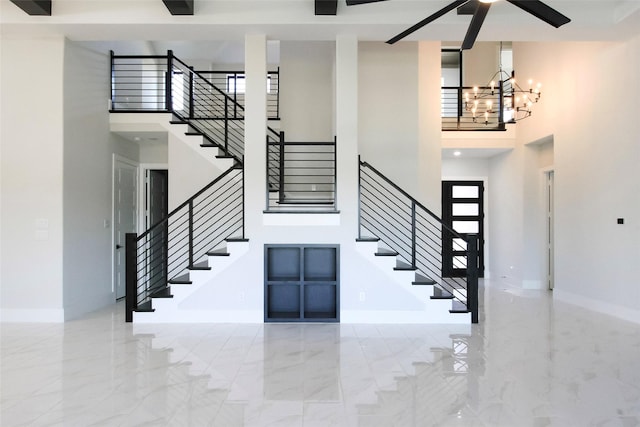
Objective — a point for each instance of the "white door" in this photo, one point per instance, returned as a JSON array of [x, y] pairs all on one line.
[[125, 178], [549, 239]]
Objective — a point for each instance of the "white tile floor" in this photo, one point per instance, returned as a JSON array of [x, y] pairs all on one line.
[[530, 362]]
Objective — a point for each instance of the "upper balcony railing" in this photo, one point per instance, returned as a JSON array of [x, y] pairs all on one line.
[[163, 83], [475, 108]]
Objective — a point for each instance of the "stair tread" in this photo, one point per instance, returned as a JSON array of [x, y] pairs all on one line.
[[181, 280], [145, 308], [439, 293], [218, 252], [422, 280], [204, 265], [162, 293], [386, 252], [403, 266], [367, 239]]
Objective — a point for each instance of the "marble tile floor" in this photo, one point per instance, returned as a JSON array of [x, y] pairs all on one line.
[[532, 361]]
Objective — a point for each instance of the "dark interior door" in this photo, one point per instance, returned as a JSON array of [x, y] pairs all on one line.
[[463, 211], [157, 209]]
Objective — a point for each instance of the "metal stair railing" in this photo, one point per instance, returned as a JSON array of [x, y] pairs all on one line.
[[405, 226], [233, 84], [300, 173], [182, 240], [164, 83]]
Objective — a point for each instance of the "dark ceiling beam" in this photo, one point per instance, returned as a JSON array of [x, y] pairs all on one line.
[[34, 7], [326, 7], [179, 7]]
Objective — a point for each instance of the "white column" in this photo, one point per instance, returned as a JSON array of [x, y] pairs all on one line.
[[347, 128], [255, 125]]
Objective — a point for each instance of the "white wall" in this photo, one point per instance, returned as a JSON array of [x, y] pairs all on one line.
[[87, 181], [56, 180], [593, 123], [32, 181], [387, 110], [307, 90], [480, 63]]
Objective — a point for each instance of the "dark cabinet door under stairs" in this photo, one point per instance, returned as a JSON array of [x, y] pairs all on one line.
[[301, 283]]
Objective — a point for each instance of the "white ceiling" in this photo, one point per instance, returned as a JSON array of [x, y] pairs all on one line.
[[228, 20]]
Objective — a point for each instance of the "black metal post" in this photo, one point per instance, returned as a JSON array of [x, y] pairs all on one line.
[[131, 275], [243, 194], [460, 112], [472, 276], [281, 167], [359, 201], [226, 124], [335, 172], [191, 233], [413, 234], [235, 95], [278, 96], [112, 74], [501, 105], [168, 86], [191, 100]]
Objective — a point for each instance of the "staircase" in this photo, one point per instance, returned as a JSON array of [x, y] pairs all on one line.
[[172, 263], [396, 227]]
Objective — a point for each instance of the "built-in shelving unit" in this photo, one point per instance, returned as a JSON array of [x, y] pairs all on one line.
[[301, 283]]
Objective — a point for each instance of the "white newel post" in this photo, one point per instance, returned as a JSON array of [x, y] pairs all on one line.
[[255, 131], [347, 129]]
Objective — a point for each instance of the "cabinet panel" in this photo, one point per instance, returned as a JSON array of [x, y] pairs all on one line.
[[283, 264], [283, 301], [320, 264], [302, 283]]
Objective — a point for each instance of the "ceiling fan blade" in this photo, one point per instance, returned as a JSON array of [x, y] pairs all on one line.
[[356, 2], [475, 25], [542, 11], [425, 21]]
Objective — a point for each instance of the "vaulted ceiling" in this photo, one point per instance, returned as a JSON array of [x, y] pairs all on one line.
[[297, 20]]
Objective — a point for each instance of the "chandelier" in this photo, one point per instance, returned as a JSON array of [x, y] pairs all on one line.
[[502, 98]]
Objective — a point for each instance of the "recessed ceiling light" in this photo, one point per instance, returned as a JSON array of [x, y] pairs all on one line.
[[457, 153], [136, 138]]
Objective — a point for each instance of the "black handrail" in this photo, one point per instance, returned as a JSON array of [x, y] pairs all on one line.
[[180, 241], [407, 227]]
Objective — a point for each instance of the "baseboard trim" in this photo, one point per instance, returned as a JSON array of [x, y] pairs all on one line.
[[614, 310], [47, 315]]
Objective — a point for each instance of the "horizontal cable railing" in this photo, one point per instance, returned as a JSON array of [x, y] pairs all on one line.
[[472, 108], [138, 83], [166, 84], [300, 173], [207, 109], [182, 240], [233, 84], [405, 226]]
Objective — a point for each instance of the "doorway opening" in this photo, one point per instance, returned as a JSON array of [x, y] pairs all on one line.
[[125, 210], [463, 211]]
